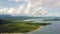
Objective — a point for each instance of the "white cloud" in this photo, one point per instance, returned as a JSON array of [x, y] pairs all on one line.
[[7, 11], [21, 9], [3, 11], [11, 11], [34, 3]]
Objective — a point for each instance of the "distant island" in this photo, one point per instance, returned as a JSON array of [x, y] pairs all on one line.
[[56, 19], [8, 26]]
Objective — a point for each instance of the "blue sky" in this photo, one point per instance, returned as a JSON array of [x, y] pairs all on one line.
[[25, 7], [6, 4]]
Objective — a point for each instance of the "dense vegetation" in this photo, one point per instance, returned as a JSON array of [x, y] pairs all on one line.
[[4, 21], [18, 27]]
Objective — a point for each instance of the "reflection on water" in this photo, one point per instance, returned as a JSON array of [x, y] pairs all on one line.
[[54, 28]]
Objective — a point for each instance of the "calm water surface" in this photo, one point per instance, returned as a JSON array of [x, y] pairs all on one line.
[[54, 28]]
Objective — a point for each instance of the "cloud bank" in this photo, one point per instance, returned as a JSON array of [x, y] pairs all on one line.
[[33, 7], [23, 11]]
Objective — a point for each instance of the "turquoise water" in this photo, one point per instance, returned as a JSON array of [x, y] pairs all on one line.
[[54, 28]]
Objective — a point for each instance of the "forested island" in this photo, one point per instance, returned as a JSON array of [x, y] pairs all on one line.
[[8, 26], [56, 19]]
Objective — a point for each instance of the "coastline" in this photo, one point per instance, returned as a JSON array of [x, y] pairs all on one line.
[[36, 29], [25, 33]]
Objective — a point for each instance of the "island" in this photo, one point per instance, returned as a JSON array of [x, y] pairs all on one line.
[[8, 26], [56, 19]]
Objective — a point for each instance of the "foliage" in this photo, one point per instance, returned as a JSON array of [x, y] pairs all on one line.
[[18, 27]]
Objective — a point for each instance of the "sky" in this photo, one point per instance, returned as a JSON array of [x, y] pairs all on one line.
[[30, 7]]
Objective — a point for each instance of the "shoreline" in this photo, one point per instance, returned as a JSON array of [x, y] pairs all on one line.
[[25, 33], [37, 29]]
